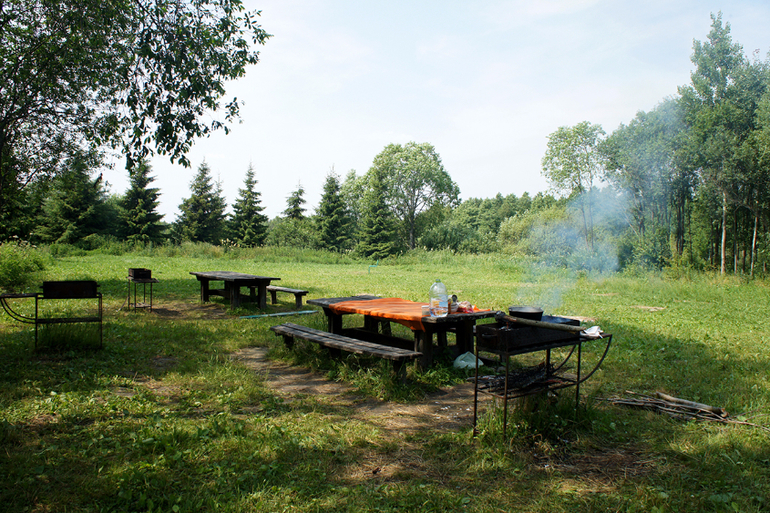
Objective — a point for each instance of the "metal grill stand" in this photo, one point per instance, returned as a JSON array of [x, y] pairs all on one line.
[[140, 277], [57, 290], [526, 336]]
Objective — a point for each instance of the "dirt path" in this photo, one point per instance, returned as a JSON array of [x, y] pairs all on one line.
[[447, 409]]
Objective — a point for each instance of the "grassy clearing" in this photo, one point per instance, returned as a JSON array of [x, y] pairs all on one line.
[[162, 419]]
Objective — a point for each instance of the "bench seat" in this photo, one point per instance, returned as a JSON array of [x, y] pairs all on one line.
[[298, 293], [337, 343]]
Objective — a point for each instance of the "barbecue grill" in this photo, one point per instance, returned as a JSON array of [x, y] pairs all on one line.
[[510, 336]]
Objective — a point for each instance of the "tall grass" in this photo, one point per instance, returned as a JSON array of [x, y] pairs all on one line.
[[20, 265]]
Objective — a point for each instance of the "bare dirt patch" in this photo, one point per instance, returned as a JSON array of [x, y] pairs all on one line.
[[450, 408], [650, 308], [189, 310]]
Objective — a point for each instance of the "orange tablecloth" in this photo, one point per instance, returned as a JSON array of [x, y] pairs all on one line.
[[396, 309], [403, 311]]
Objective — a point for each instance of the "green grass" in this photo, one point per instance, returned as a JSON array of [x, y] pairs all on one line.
[[162, 419]]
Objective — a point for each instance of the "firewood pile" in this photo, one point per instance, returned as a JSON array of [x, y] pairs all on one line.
[[680, 409]]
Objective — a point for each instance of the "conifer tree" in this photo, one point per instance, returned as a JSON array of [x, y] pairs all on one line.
[[141, 221], [377, 231], [294, 208], [333, 219], [248, 224], [203, 213], [75, 207]]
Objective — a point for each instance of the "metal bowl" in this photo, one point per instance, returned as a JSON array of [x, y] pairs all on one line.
[[526, 312]]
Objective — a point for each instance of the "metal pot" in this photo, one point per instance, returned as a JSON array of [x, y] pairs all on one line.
[[526, 312]]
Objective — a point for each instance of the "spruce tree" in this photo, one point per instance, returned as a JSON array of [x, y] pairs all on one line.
[[333, 219], [202, 215], [140, 219], [248, 224], [377, 231], [294, 208], [75, 207]]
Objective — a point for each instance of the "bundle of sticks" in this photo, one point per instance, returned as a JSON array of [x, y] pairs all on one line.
[[679, 408]]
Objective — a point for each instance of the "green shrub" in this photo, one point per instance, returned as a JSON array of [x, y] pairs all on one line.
[[19, 264], [65, 250]]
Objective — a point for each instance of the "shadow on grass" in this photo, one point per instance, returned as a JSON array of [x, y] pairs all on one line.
[[71, 438]]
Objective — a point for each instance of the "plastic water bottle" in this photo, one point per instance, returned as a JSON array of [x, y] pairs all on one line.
[[439, 305]]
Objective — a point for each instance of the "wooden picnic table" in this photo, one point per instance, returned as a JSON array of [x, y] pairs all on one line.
[[377, 325], [232, 286]]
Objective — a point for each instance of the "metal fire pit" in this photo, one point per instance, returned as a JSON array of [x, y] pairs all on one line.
[[506, 338], [511, 336]]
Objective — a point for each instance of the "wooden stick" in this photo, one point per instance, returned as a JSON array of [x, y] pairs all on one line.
[[539, 324], [689, 404]]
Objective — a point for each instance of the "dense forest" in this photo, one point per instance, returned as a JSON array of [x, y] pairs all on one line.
[[684, 185]]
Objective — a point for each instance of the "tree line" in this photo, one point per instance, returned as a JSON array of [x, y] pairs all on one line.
[[692, 175], [685, 184]]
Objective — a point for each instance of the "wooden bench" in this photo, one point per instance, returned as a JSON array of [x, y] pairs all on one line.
[[297, 294], [337, 343]]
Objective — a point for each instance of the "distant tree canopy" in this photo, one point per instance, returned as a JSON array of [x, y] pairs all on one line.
[[334, 222], [573, 164], [74, 207], [685, 185], [202, 214], [377, 234], [294, 204], [695, 169], [139, 76], [248, 224], [141, 220], [414, 181]]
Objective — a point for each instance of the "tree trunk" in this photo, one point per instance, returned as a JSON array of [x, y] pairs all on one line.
[[724, 234], [736, 256], [754, 243]]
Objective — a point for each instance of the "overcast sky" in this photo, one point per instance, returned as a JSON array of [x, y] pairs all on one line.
[[484, 82]]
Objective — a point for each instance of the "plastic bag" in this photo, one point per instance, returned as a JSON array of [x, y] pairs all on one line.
[[465, 361]]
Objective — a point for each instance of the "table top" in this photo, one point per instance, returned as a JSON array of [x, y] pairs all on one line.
[[328, 301], [381, 312], [231, 276]]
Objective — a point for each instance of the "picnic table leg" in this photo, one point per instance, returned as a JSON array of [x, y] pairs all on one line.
[[334, 320], [423, 342], [262, 296], [371, 323], [464, 336], [377, 325], [234, 293], [204, 289], [441, 338]]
